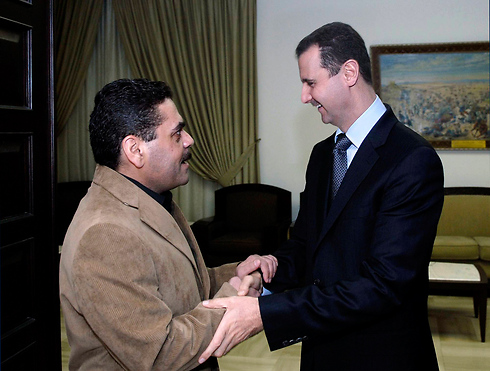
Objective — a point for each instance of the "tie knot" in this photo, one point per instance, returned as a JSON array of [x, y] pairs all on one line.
[[342, 142]]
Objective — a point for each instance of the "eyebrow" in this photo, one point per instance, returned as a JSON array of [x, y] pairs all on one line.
[[180, 126], [307, 81]]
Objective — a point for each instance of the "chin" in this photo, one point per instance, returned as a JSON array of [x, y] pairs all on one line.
[[185, 180]]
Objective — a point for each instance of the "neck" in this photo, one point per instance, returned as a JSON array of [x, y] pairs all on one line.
[[361, 100]]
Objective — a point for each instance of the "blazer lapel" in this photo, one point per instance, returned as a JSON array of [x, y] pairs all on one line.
[[360, 167], [157, 218], [200, 265], [152, 214], [324, 181]]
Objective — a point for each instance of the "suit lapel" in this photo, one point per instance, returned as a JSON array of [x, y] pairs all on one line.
[[360, 167], [324, 181], [363, 162]]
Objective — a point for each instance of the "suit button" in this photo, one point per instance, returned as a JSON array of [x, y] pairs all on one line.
[[316, 282]]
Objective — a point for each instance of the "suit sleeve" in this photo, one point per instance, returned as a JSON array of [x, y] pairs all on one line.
[[120, 298], [401, 235]]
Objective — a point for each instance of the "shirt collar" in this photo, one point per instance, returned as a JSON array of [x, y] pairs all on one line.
[[164, 199], [363, 125]]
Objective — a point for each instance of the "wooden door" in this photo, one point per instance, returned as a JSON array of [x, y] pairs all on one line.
[[30, 327]]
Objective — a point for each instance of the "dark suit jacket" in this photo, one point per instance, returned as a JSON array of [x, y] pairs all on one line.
[[353, 277]]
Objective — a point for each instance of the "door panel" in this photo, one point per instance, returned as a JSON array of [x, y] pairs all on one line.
[[30, 332]]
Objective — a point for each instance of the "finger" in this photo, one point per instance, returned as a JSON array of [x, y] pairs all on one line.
[[213, 345], [225, 346], [245, 285], [274, 265], [272, 257], [248, 266], [235, 282], [254, 293], [268, 267], [220, 344], [215, 303]]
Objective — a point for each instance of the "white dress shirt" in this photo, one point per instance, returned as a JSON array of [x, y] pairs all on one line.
[[361, 127]]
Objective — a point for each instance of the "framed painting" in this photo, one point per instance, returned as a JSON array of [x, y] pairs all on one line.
[[442, 91]]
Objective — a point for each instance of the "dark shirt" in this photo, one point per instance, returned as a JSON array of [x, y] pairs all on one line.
[[164, 199]]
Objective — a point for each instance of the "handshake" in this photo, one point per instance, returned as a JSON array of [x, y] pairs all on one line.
[[242, 317], [250, 272]]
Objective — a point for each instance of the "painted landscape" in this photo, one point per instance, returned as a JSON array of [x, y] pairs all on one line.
[[439, 95]]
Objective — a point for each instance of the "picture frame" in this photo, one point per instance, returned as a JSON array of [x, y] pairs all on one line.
[[441, 91]]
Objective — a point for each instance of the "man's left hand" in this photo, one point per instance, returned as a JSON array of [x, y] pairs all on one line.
[[240, 321], [266, 263]]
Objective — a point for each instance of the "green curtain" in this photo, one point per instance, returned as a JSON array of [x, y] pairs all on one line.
[[205, 50], [76, 25], [107, 63]]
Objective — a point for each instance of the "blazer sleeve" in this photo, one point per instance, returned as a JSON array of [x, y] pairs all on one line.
[[120, 297], [219, 276], [393, 268]]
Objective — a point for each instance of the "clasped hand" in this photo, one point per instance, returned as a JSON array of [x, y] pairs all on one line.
[[248, 279], [242, 317]]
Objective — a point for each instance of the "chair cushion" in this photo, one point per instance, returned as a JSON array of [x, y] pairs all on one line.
[[484, 242], [236, 243], [455, 248]]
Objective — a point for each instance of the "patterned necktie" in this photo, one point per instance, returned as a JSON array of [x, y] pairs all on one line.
[[339, 162]]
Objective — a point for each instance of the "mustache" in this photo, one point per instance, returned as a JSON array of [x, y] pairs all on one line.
[[187, 156]]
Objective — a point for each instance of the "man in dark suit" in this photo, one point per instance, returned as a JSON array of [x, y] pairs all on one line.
[[352, 280]]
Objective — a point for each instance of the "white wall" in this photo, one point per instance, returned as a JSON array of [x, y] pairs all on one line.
[[289, 129]]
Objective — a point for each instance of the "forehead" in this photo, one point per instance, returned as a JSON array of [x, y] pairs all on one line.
[[169, 113], [309, 62]]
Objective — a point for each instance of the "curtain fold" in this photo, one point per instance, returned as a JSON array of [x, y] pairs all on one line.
[[74, 154], [206, 51], [76, 25], [107, 63]]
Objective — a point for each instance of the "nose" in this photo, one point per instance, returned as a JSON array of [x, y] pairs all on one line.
[[188, 140], [305, 94]]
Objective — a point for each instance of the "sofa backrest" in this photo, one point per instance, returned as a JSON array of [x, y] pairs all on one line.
[[466, 212]]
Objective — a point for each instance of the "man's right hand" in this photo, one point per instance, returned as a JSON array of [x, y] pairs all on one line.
[[250, 285]]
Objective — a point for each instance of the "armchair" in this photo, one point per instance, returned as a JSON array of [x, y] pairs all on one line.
[[249, 219]]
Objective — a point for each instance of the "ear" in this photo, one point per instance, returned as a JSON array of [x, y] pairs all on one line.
[[133, 149], [351, 72]]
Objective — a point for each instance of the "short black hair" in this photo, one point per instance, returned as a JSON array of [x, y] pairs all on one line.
[[338, 42], [125, 107]]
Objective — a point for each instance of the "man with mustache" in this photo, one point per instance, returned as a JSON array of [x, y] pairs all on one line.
[[131, 275]]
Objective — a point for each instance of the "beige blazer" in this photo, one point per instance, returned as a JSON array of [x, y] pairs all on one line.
[[131, 282]]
